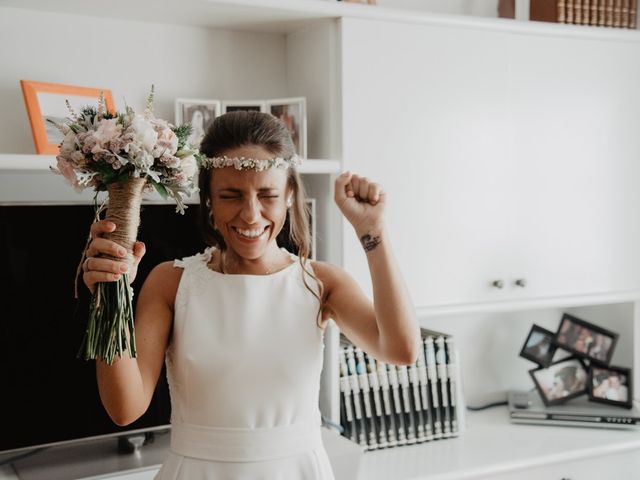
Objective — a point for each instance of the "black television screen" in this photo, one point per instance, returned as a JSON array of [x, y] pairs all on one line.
[[50, 395]]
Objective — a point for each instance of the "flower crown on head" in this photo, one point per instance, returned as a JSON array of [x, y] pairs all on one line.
[[242, 163]]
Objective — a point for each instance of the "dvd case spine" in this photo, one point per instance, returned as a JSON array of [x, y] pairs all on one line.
[[384, 405]]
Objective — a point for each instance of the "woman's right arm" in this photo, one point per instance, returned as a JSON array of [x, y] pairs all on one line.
[[127, 386]]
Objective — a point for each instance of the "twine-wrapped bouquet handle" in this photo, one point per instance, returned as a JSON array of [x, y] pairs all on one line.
[[110, 329]]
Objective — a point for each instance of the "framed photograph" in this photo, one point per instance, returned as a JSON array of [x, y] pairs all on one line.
[[199, 113], [586, 339], [560, 381], [539, 346], [560, 354], [293, 112], [284, 241], [46, 102], [611, 385], [246, 105]]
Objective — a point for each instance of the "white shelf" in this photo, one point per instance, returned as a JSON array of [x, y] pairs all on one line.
[[41, 163], [287, 16], [491, 445], [45, 188]]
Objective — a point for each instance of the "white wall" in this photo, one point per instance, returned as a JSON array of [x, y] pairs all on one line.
[[127, 57], [489, 344]]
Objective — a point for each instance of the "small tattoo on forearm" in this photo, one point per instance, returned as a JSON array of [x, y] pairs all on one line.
[[369, 243]]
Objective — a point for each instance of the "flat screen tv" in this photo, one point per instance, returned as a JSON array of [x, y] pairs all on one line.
[[49, 396]]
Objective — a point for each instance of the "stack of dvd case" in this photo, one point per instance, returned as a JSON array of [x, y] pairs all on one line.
[[384, 405]]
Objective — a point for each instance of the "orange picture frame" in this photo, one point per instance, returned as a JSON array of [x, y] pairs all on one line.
[[48, 101]]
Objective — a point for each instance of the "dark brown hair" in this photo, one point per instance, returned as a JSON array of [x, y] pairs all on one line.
[[246, 128]]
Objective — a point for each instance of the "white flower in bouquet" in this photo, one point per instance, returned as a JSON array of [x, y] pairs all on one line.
[[189, 166], [143, 134], [124, 154]]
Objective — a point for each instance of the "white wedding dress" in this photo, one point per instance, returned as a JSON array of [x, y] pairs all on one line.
[[243, 367]]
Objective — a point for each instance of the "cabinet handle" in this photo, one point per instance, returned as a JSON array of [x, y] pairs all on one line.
[[521, 282], [498, 284]]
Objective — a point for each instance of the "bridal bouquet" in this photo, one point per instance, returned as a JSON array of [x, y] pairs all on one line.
[[124, 154]]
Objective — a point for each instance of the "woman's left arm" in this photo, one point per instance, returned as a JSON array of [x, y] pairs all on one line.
[[388, 329]]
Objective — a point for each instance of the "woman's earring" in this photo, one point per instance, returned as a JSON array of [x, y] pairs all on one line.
[[289, 202], [207, 203]]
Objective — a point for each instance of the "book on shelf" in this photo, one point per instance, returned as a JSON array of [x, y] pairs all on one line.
[[593, 12], [624, 14], [603, 13], [384, 405], [548, 11], [602, 8], [608, 13]]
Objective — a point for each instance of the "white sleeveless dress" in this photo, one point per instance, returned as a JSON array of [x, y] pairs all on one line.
[[243, 367]]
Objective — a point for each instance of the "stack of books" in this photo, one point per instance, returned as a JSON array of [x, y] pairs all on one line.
[[602, 13], [384, 405]]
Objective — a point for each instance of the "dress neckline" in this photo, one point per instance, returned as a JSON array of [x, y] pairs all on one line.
[[206, 258]]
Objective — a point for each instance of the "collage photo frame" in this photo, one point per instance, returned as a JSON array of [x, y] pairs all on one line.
[[585, 350]]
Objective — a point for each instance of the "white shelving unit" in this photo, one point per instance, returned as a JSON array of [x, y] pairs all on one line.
[[305, 48], [288, 16], [41, 163]]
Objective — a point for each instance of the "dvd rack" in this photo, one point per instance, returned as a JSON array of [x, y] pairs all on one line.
[[384, 405]]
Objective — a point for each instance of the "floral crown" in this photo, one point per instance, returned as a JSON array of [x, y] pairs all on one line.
[[242, 163]]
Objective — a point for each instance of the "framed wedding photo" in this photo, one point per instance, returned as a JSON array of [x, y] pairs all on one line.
[[611, 385], [539, 346], [46, 103], [246, 105], [199, 113], [586, 339], [560, 381], [293, 112]]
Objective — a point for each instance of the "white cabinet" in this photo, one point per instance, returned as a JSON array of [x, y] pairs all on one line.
[[573, 106], [415, 122], [501, 160]]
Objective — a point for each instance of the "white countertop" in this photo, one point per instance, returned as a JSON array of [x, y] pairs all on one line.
[[491, 445]]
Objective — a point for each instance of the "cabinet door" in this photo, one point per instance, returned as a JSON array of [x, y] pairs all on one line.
[[424, 114], [575, 123], [505, 157]]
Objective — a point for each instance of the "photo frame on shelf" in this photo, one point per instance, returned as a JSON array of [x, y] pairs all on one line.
[[539, 347], [199, 113], [246, 105], [561, 381], [293, 113], [586, 340], [611, 385], [46, 103]]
